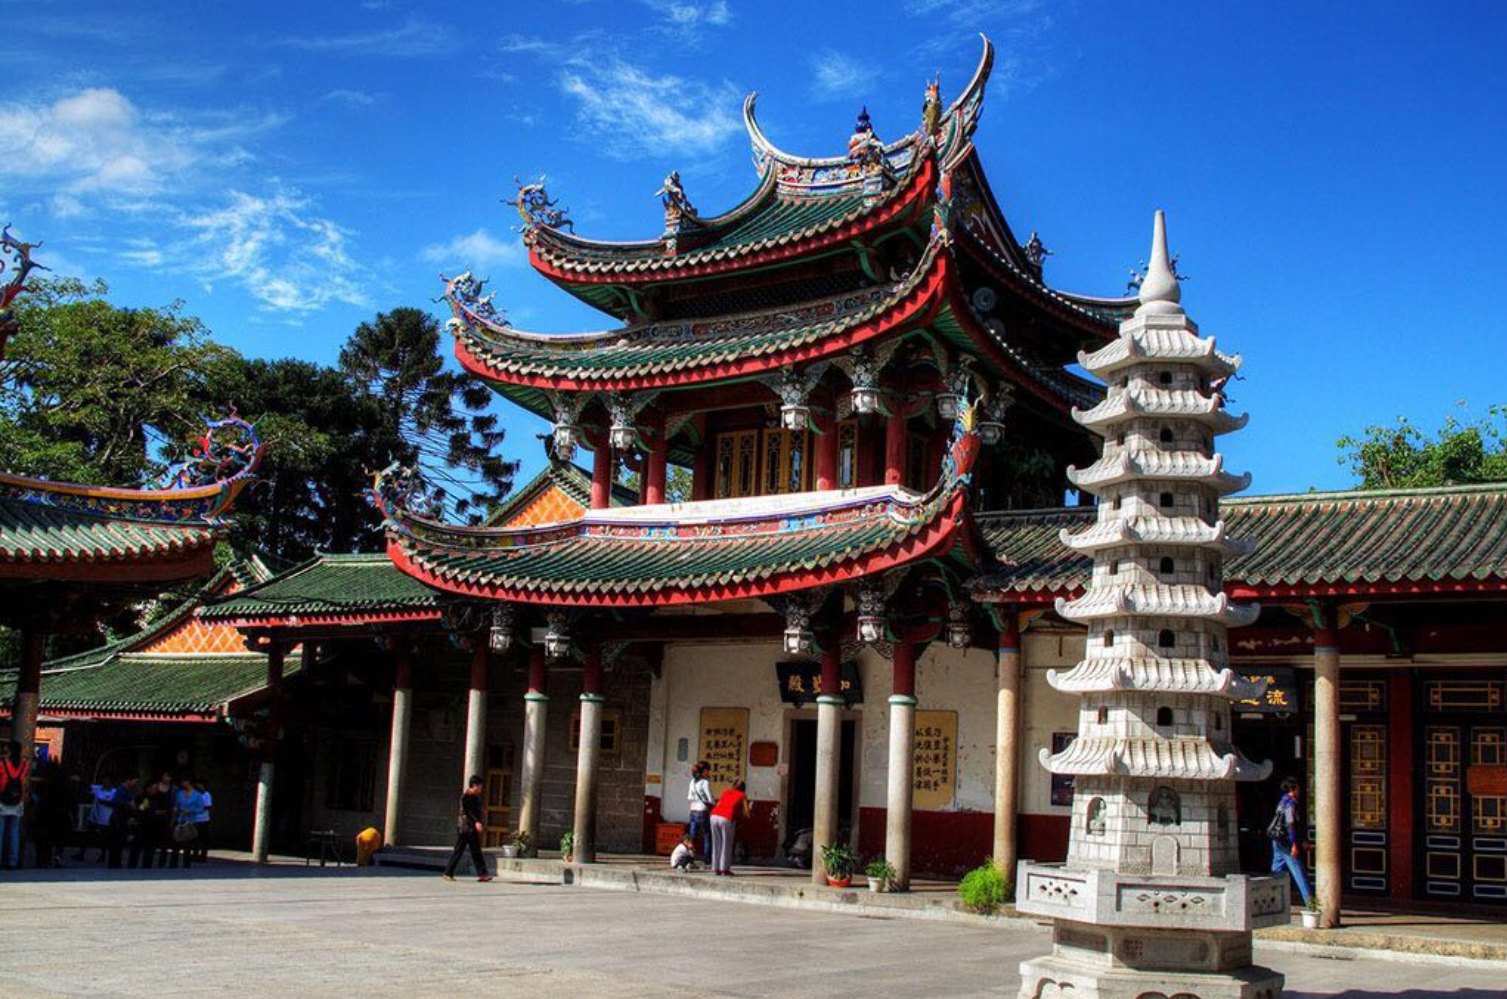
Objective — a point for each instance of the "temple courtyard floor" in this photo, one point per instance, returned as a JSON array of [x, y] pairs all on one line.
[[290, 932]]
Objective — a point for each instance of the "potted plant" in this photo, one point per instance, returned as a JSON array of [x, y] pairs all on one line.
[[1311, 913], [881, 874], [568, 847], [984, 889], [839, 862], [517, 846]]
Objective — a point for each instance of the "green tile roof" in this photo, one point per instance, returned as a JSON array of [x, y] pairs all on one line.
[[328, 586], [43, 533], [152, 685], [1448, 535], [635, 562], [674, 347]]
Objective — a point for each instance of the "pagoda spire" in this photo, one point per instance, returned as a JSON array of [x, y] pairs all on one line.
[[1160, 293]]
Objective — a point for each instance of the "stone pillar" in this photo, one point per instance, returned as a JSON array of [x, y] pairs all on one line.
[[601, 475], [902, 764], [535, 714], [261, 835], [1327, 764], [1007, 744], [826, 452], [894, 447], [828, 756], [590, 742], [476, 711], [28, 689], [397, 746]]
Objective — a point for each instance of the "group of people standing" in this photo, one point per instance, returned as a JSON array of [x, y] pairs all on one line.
[[713, 825], [166, 822]]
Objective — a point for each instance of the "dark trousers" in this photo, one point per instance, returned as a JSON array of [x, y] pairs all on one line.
[[150, 843], [470, 839]]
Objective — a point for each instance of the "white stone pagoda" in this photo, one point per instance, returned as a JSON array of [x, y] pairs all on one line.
[[1151, 901]]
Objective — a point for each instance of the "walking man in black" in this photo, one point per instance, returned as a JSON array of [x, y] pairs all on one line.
[[468, 828]]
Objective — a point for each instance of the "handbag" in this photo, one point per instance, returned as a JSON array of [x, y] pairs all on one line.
[[184, 833]]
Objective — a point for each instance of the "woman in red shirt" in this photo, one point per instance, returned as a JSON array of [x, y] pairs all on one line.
[[731, 806]]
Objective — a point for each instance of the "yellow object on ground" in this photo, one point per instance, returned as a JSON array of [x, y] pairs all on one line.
[[368, 842]]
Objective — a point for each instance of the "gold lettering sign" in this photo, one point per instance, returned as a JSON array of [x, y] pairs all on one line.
[[934, 781], [724, 744]]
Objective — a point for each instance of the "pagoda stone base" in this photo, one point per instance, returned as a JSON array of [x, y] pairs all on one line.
[[1058, 977]]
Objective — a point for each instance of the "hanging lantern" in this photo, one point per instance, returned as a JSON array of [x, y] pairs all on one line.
[[947, 405], [870, 615], [959, 630], [567, 437], [500, 635], [798, 637], [991, 427], [622, 437], [954, 389], [795, 416], [865, 400], [557, 636]]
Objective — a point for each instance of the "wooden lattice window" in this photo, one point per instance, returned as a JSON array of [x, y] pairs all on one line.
[[1488, 748], [609, 742], [1464, 695], [1363, 695], [1368, 777], [737, 464], [1441, 786], [787, 465], [847, 454]]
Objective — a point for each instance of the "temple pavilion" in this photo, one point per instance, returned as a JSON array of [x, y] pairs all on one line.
[[853, 606]]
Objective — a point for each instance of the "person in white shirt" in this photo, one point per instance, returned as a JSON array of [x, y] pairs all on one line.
[[701, 799], [684, 857]]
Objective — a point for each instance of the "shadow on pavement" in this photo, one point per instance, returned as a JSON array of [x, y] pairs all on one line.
[[215, 869]]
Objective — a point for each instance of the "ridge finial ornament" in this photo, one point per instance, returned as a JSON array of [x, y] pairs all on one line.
[[228, 449], [1036, 251], [537, 209], [1159, 292], [468, 292], [931, 107], [15, 255]]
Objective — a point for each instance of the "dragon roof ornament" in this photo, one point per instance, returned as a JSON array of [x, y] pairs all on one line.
[[228, 450], [15, 256], [538, 210], [469, 292]]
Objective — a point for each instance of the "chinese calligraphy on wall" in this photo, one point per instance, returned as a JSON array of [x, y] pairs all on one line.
[[934, 781], [724, 744]]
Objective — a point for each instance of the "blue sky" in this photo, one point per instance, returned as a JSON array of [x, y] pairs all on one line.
[[1333, 173]]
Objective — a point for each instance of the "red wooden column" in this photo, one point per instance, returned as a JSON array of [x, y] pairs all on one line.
[[894, 447], [654, 465], [1400, 739], [589, 747], [826, 452], [29, 689], [703, 468], [601, 476]]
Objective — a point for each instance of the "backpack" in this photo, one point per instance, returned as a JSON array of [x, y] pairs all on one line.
[[1277, 828]]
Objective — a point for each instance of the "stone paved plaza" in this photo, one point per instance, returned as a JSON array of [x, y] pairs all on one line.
[[291, 933]]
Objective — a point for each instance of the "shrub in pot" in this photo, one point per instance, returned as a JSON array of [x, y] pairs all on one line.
[[881, 874], [1311, 914], [568, 847], [839, 862]]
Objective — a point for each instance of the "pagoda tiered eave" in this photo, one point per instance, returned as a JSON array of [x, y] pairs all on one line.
[[1137, 402], [1105, 602], [1153, 759], [1154, 675], [1191, 531], [1151, 463], [1154, 338]]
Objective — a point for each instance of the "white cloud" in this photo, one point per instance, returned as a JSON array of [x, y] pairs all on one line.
[[479, 249], [350, 98], [415, 38], [683, 14], [287, 258], [838, 75], [634, 113], [96, 141]]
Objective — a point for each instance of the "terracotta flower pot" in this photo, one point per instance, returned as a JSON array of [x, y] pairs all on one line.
[[843, 882]]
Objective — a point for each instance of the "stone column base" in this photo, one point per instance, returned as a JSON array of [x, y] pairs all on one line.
[[1061, 978]]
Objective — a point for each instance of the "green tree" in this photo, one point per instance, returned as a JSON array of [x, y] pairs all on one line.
[[677, 483], [442, 416], [325, 437], [1402, 456], [89, 392]]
